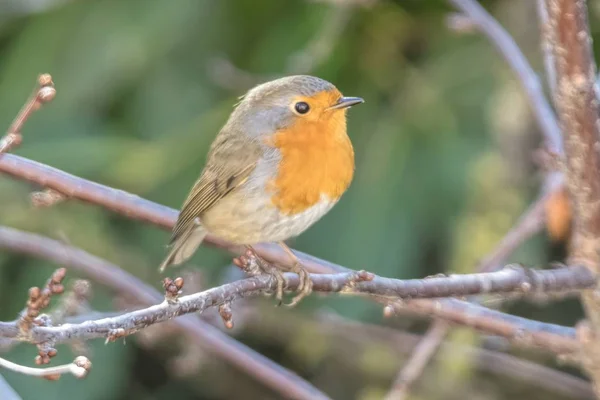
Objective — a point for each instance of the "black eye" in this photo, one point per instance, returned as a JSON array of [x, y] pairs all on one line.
[[301, 107]]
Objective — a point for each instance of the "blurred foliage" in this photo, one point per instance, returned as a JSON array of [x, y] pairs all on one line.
[[443, 147]]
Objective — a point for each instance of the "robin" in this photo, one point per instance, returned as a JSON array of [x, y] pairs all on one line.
[[280, 163]]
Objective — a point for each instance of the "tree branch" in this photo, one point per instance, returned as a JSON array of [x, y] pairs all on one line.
[[78, 368], [553, 337], [576, 99]]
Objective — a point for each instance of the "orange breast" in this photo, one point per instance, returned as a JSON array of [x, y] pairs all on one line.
[[317, 159]]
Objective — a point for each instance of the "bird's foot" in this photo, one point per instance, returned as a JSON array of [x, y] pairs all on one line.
[[273, 271], [254, 265], [304, 286]]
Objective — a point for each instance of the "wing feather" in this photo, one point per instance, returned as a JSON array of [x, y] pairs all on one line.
[[231, 160]]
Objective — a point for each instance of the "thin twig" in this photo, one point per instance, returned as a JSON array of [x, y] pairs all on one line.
[[78, 368], [43, 93]]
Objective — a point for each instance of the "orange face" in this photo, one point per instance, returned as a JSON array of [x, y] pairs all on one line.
[[317, 158]]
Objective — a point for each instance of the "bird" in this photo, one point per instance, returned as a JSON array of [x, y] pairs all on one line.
[[282, 160]]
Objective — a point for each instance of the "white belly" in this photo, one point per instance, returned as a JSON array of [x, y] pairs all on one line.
[[254, 219]]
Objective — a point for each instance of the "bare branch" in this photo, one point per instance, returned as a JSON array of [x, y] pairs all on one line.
[[553, 337], [556, 338], [78, 368], [43, 93]]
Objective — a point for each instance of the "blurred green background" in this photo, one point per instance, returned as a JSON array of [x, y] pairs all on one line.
[[443, 169]]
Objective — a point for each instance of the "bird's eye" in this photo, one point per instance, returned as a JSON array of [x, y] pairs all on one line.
[[302, 107]]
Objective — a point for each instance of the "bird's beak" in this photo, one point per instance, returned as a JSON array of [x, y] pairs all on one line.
[[345, 102]]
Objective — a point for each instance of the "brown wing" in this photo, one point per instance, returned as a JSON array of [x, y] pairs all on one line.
[[230, 161]]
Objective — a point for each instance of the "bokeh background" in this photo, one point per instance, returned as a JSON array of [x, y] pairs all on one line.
[[444, 146]]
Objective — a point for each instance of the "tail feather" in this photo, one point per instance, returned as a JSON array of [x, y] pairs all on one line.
[[184, 247]]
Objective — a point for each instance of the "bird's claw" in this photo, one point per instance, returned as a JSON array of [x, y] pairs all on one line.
[[304, 286], [273, 271]]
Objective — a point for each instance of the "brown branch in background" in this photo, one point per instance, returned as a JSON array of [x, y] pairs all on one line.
[[79, 368], [577, 106], [557, 339], [567, 33], [43, 93]]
